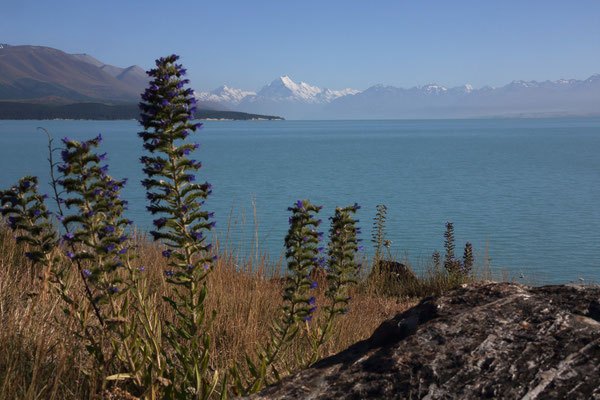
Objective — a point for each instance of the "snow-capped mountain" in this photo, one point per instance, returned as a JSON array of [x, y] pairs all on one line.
[[561, 97], [225, 95], [293, 100], [285, 89], [283, 96]]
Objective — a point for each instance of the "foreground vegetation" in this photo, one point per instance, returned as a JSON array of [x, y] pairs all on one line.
[[41, 358], [91, 309]]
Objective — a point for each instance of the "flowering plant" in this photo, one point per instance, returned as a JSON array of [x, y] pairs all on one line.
[[167, 117]]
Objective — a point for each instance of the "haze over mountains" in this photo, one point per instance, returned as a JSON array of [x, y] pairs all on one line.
[[294, 100], [43, 75], [47, 75]]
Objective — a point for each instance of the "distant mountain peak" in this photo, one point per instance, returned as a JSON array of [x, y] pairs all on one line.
[[281, 90], [298, 99], [225, 95]]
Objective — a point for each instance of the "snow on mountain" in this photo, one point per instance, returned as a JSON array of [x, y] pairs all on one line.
[[225, 95], [285, 89], [299, 100], [433, 88], [561, 97], [282, 89]]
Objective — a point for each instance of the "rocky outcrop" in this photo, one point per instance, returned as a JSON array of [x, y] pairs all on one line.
[[488, 340]]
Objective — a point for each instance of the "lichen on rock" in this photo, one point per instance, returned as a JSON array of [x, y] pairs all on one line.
[[485, 340]]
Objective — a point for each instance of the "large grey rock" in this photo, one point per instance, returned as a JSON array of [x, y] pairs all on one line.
[[494, 340]]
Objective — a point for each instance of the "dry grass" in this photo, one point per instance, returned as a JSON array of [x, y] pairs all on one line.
[[40, 359]]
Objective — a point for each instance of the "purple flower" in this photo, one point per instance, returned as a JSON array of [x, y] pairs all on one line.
[[110, 247], [169, 273], [123, 238], [206, 267], [308, 318], [313, 285], [69, 254], [123, 250], [104, 168], [167, 253], [197, 235], [68, 236], [99, 138], [60, 218], [300, 204], [87, 272], [109, 229], [142, 269], [160, 222], [312, 300], [114, 289], [102, 157]]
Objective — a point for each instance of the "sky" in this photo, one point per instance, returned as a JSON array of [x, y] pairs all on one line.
[[328, 43]]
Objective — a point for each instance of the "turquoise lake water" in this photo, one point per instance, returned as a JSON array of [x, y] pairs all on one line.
[[528, 190]]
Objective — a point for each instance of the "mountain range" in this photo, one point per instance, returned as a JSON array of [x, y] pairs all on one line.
[[43, 75], [294, 100]]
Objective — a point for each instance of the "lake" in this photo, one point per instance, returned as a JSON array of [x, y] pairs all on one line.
[[527, 190]]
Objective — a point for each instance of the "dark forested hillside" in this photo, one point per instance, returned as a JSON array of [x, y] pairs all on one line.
[[98, 111]]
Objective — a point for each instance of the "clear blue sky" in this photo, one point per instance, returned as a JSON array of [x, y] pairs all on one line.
[[329, 43]]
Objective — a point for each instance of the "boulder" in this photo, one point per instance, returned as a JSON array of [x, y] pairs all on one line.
[[485, 340]]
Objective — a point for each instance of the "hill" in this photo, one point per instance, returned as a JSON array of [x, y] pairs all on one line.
[[37, 74]]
